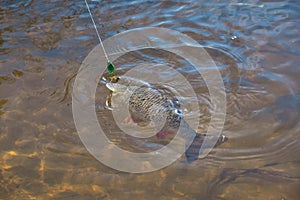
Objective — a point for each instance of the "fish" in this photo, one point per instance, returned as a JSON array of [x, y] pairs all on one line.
[[147, 103]]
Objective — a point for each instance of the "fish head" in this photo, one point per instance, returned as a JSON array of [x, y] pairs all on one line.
[[118, 84], [113, 84], [121, 88]]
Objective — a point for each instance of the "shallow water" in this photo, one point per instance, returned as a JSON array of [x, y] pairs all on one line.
[[255, 45]]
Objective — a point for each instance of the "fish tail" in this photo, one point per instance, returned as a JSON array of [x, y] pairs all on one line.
[[193, 151]]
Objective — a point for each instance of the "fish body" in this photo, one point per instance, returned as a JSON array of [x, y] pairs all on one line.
[[149, 104]]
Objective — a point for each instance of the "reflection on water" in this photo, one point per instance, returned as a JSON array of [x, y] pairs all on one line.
[[255, 45]]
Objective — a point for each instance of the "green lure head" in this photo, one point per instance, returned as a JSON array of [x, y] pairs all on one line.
[[110, 67]]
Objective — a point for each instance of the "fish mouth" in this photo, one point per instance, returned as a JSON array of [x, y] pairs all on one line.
[[111, 79], [116, 87], [111, 82]]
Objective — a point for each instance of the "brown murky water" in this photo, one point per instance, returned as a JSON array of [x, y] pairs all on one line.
[[255, 45]]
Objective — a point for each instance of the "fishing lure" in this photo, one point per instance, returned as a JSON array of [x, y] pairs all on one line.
[[110, 65]]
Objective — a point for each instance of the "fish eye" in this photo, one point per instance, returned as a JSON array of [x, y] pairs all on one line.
[[114, 79]]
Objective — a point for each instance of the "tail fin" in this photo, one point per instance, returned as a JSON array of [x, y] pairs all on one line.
[[192, 153]]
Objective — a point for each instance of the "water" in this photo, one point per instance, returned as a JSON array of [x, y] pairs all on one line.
[[255, 45]]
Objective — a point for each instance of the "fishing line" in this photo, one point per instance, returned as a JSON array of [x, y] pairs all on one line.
[[110, 66]]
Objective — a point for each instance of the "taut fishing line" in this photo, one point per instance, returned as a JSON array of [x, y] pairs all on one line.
[[110, 66]]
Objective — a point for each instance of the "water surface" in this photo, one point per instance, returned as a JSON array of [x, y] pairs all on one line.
[[255, 45]]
